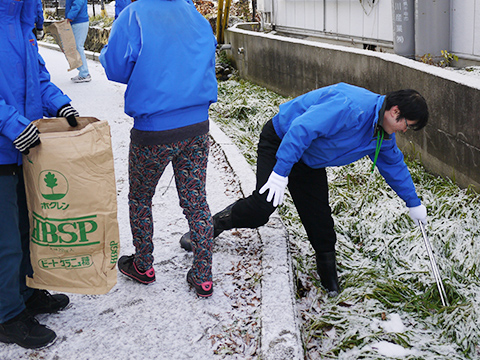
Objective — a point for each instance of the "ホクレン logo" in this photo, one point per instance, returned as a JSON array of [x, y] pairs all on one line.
[[52, 184]]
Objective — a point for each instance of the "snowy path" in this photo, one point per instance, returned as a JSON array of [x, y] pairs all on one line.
[[166, 320]]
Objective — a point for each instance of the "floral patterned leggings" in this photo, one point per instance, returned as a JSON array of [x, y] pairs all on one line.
[[146, 165]]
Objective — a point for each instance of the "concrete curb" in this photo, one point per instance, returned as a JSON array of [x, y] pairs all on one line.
[[88, 54], [281, 337]]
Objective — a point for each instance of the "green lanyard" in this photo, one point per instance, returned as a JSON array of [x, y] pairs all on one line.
[[377, 148]]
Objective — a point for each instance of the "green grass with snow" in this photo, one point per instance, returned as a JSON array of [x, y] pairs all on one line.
[[383, 265]]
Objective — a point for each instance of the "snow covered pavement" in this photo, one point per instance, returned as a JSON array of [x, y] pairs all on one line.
[[251, 313]]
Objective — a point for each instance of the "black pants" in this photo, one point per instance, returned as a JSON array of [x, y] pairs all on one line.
[[309, 190]]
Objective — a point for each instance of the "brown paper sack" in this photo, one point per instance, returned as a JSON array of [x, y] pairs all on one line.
[[71, 197], [63, 35]]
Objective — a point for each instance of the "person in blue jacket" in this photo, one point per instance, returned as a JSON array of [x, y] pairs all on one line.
[[331, 126], [26, 94], [39, 20], [76, 12], [164, 50]]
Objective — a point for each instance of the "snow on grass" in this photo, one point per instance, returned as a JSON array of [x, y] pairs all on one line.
[[390, 306]]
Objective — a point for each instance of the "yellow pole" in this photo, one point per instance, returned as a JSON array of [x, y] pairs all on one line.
[[103, 12], [225, 17], [219, 22]]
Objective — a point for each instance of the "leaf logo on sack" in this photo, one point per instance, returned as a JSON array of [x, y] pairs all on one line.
[[53, 185]]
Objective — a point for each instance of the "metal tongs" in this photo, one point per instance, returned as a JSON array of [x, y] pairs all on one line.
[[433, 263]]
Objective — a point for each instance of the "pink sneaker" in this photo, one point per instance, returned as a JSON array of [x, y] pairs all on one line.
[[127, 267], [204, 289]]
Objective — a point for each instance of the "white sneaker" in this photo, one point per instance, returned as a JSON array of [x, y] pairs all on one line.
[[80, 79]]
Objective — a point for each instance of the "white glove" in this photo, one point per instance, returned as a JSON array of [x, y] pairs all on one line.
[[275, 185], [419, 213], [39, 34]]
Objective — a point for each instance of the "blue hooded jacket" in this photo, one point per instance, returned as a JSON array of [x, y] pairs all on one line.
[[164, 50], [335, 126], [26, 93]]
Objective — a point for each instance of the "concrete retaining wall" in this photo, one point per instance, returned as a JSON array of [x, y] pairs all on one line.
[[448, 146]]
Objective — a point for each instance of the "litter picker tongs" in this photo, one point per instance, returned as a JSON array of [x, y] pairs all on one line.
[[433, 263]]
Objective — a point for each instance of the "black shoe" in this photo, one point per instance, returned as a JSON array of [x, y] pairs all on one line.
[[202, 289], [25, 330], [221, 221], [327, 270], [127, 267], [42, 302], [186, 242]]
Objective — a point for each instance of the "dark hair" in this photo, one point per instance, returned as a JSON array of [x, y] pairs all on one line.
[[412, 106]]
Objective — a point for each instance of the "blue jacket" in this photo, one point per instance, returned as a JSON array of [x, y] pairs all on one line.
[[76, 10], [334, 126], [26, 92], [164, 50]]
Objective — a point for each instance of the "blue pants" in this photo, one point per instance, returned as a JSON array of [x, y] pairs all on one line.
[[14, 247], [80, 32]]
